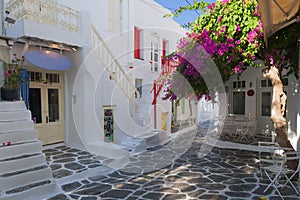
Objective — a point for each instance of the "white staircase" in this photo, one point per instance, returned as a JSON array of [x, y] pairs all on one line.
[[24, 172], [113, 67]]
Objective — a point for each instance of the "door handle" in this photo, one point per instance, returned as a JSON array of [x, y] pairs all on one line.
[[47, 119]]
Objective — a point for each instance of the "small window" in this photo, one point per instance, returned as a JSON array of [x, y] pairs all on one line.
[[263, 83], [52, 78], [36, 76], [239, 84], [266, 104], [138, 41], [139, 86]]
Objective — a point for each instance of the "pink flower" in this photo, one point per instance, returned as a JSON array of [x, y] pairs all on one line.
[[219, 18], [251, 36], [225, 1], [238, 28], [6, 74], [211, 6]]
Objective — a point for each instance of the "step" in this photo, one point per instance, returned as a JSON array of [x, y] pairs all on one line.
[[16, 126], [11, 165], [154, 138], [35, 191], [14, 181], [15, 150], [18, 136], [119, 157], [12, 106], [14, 115], [134, 145]]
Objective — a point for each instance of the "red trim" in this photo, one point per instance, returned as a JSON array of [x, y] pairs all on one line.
[[168, 67], [137, 43]]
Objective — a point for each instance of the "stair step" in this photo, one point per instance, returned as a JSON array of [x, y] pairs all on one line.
[[14, 115], [19, 163], [20, 180], [23, 171], [38, 190], [12, 105], [34, 147], [18, 136], [12, 126]]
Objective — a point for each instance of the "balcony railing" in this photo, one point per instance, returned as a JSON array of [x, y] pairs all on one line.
[[45, 13]]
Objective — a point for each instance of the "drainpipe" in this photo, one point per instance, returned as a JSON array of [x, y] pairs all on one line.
[[154, 102], [2, 18]]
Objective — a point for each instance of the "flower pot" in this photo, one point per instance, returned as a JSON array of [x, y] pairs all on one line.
[[10, 95]]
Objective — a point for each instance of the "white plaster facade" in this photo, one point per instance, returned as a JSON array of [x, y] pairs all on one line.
[[87, 86]]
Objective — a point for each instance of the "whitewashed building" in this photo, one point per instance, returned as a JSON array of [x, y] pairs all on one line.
[[115, 48]]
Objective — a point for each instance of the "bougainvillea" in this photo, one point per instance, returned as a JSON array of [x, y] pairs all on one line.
[[230, 33]]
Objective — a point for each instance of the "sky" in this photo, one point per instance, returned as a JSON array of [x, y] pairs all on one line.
[[187, 16]]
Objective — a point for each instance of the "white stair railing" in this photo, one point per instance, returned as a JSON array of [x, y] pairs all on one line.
[[113, 67]]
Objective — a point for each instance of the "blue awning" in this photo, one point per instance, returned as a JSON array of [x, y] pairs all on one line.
[[48, 60]]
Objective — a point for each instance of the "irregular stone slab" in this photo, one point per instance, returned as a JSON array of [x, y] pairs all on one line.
[[64, 155], [62, 173], [242, 187], [244, 195], [65, 160], [153, 195], [71, 186], [55, 167], [199, 181], [93, 189], [218, 178], [74, 166], [212, 196], [60, 197], [174, 196], [89, 198], [167, 190], [127, 186], [120, 194], [212, 186], [233, 181], [196, 193]]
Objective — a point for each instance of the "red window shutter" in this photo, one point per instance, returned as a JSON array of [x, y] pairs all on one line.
[[137, 41], [164, 50]]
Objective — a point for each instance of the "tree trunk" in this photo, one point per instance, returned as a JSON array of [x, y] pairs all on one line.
[[277, 110]]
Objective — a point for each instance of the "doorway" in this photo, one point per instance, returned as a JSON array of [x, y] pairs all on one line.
[[46, 106], [164, 121]]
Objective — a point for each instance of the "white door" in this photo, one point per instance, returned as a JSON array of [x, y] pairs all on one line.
[[46, 106]]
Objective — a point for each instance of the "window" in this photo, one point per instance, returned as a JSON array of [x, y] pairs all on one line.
[[138, 41], [266, 104], [239, 103], [139, 86], [154, 53], [114, 16], [239, 84], [268, 83]]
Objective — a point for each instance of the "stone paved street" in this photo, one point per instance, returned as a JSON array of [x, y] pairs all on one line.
[[184, 168]]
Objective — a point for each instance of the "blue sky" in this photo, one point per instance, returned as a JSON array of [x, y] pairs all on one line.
[[185, 17]]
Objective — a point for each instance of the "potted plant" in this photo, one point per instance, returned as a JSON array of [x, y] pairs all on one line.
[[10, 89]]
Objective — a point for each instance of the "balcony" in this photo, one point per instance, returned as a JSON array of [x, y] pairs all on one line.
[[39, 19]]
